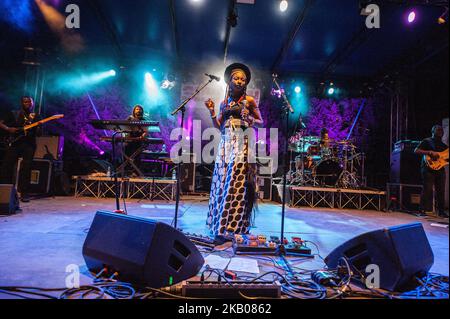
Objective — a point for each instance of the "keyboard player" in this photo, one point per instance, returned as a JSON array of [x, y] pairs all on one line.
[[138, 132]]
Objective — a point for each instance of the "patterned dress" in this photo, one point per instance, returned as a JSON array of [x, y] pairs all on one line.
[[233, 192]]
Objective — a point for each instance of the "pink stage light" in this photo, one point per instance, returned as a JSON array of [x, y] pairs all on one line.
[[411, 17]]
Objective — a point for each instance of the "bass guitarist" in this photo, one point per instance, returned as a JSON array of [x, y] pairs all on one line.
[[431, 149], [24, 145]]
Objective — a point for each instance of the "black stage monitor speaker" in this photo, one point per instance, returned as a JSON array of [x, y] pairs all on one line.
[[400, 252], [9, 202], [141, 251]]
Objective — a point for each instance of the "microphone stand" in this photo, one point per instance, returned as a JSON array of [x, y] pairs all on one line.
[[182, 108], [286, 109]]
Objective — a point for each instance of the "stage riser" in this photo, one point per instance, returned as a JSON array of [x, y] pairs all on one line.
[[337, 198], [103, 187]]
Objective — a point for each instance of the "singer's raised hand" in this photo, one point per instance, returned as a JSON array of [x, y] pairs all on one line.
[[210, 105]]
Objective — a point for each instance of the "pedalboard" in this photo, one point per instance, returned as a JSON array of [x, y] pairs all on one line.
[[231, 289], [261, 245]]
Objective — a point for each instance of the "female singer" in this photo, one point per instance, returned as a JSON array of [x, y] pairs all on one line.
[[233, 192]]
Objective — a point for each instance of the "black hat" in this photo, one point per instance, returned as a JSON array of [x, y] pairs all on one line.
[[234, 66]]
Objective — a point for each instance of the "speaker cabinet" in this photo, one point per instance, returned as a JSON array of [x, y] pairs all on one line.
[[9, 202], [405, 168], [40, 179], [400, 252], [49, 147], [141, 251]]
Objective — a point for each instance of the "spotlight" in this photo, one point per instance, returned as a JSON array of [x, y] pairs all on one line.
[[284, 5], [411, 16], [151, 85], [330, 91], [167, 84], [277, 93], [298, 89], [112, 73]]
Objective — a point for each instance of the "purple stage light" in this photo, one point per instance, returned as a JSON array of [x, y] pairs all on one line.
[[411, 16], [277, 93]]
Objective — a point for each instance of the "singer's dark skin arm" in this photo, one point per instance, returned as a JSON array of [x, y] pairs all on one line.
[[216, 119], [253, 114]]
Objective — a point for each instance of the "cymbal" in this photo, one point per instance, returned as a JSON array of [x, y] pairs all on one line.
[[345, 142], [310, 138]]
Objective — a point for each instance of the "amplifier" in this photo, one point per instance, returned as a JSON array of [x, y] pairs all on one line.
[[49, 147], [40, 180], [264, 187], [405, 167], [406, 145]]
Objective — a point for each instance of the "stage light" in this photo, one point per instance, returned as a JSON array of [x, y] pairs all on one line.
[[284, 5], [411, 17], [74, 82], [298, 89], [331, 91], [169, 82], [167, 85], [151, 85]]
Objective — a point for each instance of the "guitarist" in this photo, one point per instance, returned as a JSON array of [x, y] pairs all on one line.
[[431, 147], [24, 146]]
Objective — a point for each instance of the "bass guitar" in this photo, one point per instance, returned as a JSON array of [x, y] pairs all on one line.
[[440, 162], [24, 130]]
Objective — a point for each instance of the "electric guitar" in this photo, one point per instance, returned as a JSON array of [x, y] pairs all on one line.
[[439, 163], [23, 132]]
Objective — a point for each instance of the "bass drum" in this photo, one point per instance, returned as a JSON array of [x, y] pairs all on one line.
[[327, 172]]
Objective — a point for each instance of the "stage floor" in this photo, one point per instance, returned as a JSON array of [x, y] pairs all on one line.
[[38, 244]]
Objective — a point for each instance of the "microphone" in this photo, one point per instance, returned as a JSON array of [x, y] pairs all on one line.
[[302, 124], [213, 77]]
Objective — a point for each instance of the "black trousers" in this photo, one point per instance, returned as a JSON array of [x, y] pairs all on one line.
[[432, 178], [24, 150]]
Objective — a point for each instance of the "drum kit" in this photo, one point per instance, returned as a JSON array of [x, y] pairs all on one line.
[[325, 162]]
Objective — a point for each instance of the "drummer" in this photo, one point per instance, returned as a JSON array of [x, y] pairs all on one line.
[[324, 138]]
